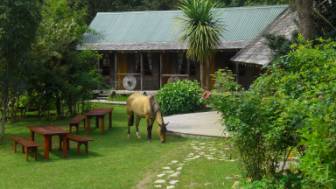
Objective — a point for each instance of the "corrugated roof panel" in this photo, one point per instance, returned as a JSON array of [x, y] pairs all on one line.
[[155, 27]]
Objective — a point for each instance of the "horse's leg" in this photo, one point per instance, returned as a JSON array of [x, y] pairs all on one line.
[[149, 129], [130, 123], [137, 122]]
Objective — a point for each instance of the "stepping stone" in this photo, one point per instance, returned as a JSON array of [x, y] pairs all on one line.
[[174, 161], [170, 187], [176, 174], [166, 168], [179, 169], [161, 175], [160, 181], [157, 186], [173, 182], [228, 178]]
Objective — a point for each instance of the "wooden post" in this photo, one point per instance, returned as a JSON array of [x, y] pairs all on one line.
[[111, 69], [237, 72], [141, 71], [188, 67], [207, 75], [160, 74], [115, 70]]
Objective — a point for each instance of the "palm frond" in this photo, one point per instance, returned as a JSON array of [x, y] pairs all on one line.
[[202, 29]]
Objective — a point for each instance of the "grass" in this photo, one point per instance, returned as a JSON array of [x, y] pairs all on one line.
[[114, 160], [118, 97]]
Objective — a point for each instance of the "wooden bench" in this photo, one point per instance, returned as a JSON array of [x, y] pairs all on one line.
[[75, 122], [27, 146], [80, 140]]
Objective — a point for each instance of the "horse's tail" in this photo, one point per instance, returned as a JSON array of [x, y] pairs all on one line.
[[130, 119]]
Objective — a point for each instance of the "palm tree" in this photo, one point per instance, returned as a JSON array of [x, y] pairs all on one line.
[[202, 31]]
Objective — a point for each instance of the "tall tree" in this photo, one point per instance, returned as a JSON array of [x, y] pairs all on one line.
[[305, 9], [18, 23], [61, 75], [202, 31]]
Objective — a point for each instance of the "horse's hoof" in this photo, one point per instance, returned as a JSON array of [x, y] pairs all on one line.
[[128, 136]]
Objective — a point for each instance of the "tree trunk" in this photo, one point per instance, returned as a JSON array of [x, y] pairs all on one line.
[[58, 106], [4, 104], [207, 75], [201, 64], [4, 112], [306, 20]]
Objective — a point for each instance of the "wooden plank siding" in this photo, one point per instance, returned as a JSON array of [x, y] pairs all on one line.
[[158, 67]]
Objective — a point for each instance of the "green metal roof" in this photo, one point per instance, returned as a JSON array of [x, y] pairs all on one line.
[[151, 30]]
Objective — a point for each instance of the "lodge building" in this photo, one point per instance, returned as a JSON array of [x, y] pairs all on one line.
[[142, 50]]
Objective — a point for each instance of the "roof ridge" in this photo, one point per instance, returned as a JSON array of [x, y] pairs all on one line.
[[226, 8]]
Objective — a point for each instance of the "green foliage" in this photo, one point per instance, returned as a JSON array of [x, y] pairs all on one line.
[[279, 44], [18, 24], [201, 28], [180, 97], [291, 105], [59, 74], [128, 5], [289, 181]]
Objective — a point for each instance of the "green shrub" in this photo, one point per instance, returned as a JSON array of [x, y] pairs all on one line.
[[182, 96], [292, 106]]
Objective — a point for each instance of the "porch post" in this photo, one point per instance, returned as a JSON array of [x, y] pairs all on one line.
[[115, 70], [160, 74], [141, 71], [111, 70], [237, 72], [188, 67]]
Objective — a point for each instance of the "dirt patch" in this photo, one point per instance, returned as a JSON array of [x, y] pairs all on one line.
[[145, 182]]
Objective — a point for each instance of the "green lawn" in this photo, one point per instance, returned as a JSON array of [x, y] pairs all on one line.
[[114, 161]]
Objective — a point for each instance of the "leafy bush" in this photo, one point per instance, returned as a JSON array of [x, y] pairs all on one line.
[[180, 97], [289, 108]]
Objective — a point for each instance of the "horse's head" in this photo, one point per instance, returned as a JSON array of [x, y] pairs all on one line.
[[159, 118], [163, 131]]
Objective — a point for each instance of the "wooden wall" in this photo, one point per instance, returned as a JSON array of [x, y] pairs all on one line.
[[165, 65]]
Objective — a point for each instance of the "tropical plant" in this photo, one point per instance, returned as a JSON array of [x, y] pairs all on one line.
[[201, 30]]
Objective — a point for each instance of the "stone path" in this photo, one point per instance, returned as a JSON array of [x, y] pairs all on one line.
[[199, 124], [168, 177]]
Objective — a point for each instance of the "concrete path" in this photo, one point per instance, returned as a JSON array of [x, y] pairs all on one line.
[[197, 124], [109, 102]]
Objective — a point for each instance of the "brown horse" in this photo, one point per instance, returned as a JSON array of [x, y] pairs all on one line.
[[145, 107]]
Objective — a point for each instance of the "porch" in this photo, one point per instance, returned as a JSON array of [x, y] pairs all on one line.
[[150, 70]]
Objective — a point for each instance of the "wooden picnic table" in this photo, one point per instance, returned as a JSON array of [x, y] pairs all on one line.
[[48, 132], [99, 114]]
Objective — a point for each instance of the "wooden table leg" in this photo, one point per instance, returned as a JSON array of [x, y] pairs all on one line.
[[65, 146], [32, 135], [102, 125], [88, 124], [61, 138], [110, 120], [14, 146], [84, 125], [97, 121], [50, 144], [46, 146]]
